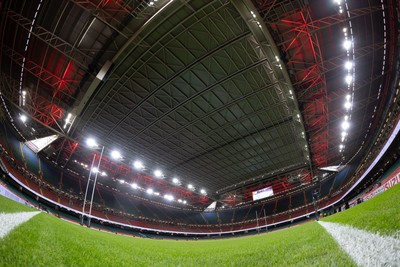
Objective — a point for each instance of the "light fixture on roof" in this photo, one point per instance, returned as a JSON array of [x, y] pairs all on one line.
[[175, 180], [345, 125], [158, 173], [344, 29], [344, 134], [169, 197], [134, 185], [23, 118], [338, 2], [115, 154], [68, 120], [348, 65], [184, 202], [121, 181], [347, 105], [95, 170], [23, 97], [138, 165], [203, 191], [341, 146], [149, 191], [347, 44], [346, 117], [349, 78], [103, 173], [190, 186], [180, 200], [348, 97], [91, 142]]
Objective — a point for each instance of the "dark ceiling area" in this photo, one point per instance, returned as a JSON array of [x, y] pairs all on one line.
[[224, 95]]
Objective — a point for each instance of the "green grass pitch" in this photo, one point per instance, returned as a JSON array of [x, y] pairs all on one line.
[[48, 241]]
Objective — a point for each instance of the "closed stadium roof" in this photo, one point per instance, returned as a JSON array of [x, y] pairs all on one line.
[[225, 95]]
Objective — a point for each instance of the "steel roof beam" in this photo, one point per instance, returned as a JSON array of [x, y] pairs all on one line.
[[103, 14], [329, 21], [43, 75], [269, 87], [78, 57], [268, 45]]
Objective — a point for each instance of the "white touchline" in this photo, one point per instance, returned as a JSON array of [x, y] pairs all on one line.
[[9, 221], [366, 249]]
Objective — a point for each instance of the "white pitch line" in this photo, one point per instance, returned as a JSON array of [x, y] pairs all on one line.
[[366, 249], [8, 221]]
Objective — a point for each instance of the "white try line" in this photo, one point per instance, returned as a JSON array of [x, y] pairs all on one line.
[[366, 249], [8, 221]]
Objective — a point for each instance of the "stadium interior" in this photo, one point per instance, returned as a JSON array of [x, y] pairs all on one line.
[[197, 118]]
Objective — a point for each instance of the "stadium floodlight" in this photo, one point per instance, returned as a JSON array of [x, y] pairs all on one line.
[[341, 146], [134, 185], [347, 105], [169, 197], [175, 180], [348, 65], [190, 186], [347, 44], [115, 154], [180, 200], [348, 97], [203, 191], [121, 181], [23, 118], [104, 174], [345, 125], [91, 142], [184, 202], [149, 191], [95, 170], [138, 165], [349, 79], [158, 173]]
